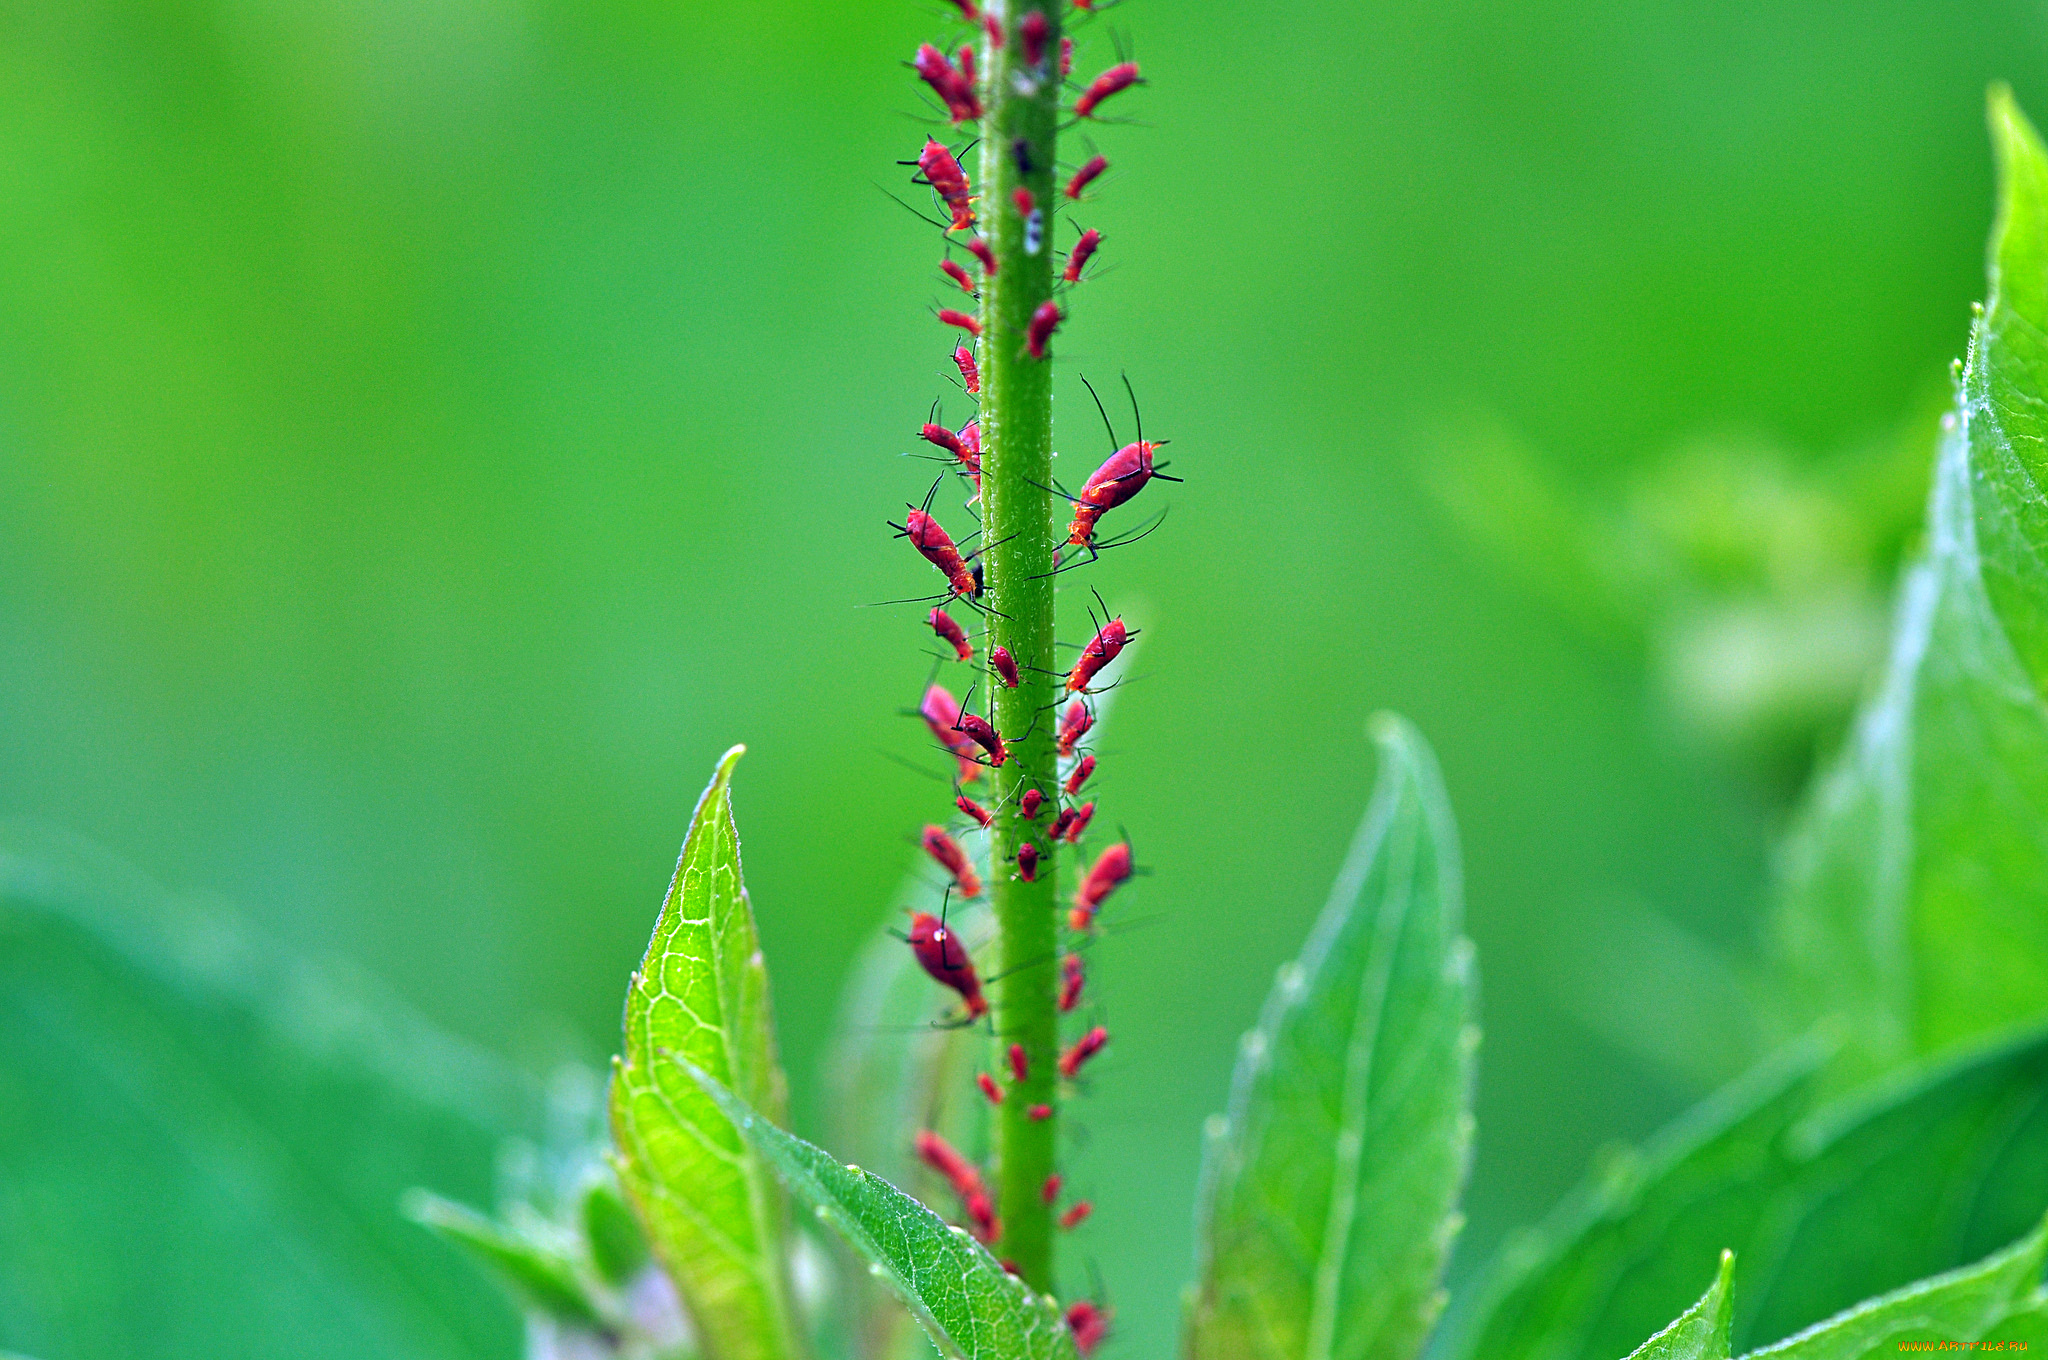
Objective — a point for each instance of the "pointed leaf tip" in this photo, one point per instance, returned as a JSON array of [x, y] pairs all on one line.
[[1701, 1331]]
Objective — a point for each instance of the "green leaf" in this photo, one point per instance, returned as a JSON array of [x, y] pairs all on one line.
[[1915, 899], [206, 1136], [1329, 1193], [1701, 1331], [710, 1208], [1975, 1303], [541, 1279], [1935, 1168], [969, 1306], [617, 1250]]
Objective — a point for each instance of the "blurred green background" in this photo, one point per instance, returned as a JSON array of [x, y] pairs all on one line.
[[431, 430]]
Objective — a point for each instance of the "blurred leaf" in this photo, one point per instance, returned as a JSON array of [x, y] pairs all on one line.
[[1963, 1305], [1915, 898], [968, 1304], [1701, 1331], [617, 1250], [1822, 1210], [206, 1138], [537, 1276], [1330, 1191], [711, 1210]]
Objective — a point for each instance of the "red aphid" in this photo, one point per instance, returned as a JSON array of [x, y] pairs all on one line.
[[1072, 980], [1020, 1064], [1044, 322], [975, 810], [1076, 1216], [982, 733], [1060, 824], [970, 372], [1110, 871], [1026, 204], [938, 548], [968, 10], [1103, 648], [952, 87], [964, 446], [981, 250], [1089, 1324], [941, 713], [1115, 80], [1082, 769], [1038, 1113], [967, 61], [1074, 725], [953, 860], [1086, 175], [1085, 1047], [1027, 862], [1030, 803], [994, 28], [958, 275], [1006, 666], [948, 631], [949, 181], [965, 1180], [989, 1088], [1079, 826], [1077, 258], [1066, 56], [939, 952], [1051, 1191], [1034, 30], [1122, 475], [959, 320]]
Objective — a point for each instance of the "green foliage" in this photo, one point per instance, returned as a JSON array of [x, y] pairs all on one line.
[[206, 1137], [967, 1303], [1915, 906], [1331, 1186], [1701, 1331], [1821, 1209], [537, 1275], [710, 1208]]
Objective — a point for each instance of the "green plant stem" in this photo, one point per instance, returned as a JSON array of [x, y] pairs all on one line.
[[1021, 110]]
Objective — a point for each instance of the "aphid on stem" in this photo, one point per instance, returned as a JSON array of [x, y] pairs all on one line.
[[1078, 827], [994, 28], [1083, 768], [989, 1088], [942, 171], [1084, 1048], [982, 251], [948, 631], [1107, 644], [1066, 56], [937, 547], [1072, 980], [1027, 862], [953, 271], [975, 811], [1089, 1324], [941, 713], [950, 857], [959, 321], [1077, 1215], [1115, 80], [1044, 321], [1074, 725], [1077, 258], [1005, 666], [1034, 30], [1051, 1189], [1111, 870], [1086, 176], [970, 372], [953, 88], [964, 1178], [1020, 1063], [1029, 804]]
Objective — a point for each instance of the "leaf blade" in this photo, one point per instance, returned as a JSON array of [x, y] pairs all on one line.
[[711, 1211], [1914, 898], [968, 1304], [1330, 1189], [1701, 1331]]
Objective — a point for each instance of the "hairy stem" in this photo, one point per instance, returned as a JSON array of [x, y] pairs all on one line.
[[1018, 133]]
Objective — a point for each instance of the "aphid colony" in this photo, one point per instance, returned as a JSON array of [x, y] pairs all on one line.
[[1038, 821]]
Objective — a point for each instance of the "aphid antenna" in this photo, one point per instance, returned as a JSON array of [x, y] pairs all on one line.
[[943, 227], [912, 765], [1134, 535], [1056, 489], [1107, 423]]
